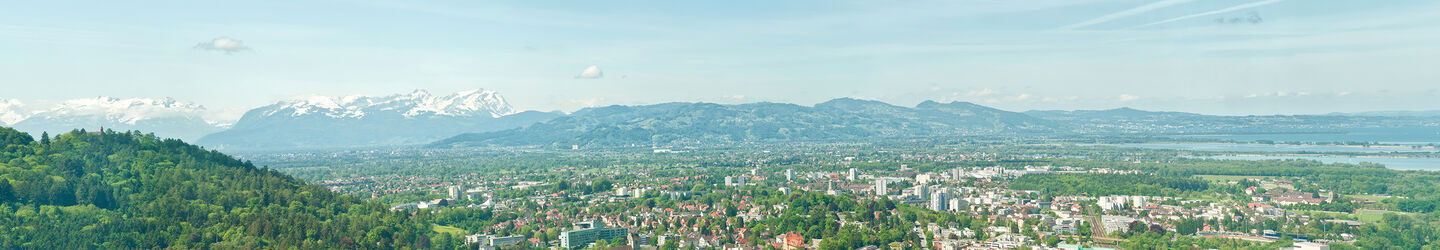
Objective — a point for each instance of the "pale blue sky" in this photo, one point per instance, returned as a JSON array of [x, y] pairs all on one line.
[[1300, 56]]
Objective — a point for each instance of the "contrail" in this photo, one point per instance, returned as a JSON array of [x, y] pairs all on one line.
[[1225, 10], [1125, 13]]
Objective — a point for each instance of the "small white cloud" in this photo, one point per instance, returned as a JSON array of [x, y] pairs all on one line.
[[1022, 97], [1252, 95], [592, 72], [1302, 94], [224, 117], [588, 102], [982, 92], [1343, 93], [223, 44], [1126, 97]]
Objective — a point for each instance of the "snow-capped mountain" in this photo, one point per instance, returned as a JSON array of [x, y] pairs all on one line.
[[417, 117], [12, 111], [165, 117], [126, 111], [416, 104]]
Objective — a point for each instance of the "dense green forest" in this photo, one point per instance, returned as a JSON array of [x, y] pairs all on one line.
[[129, 190], [1108, 184]]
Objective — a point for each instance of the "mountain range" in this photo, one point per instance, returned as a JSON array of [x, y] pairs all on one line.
[[351, 121], [305, 122], [683, 124], [704, 123], [483, 118], [168, 117]]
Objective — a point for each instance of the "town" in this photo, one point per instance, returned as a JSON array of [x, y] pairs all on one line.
[[845, 197]]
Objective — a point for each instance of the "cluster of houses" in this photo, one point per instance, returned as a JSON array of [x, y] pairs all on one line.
[[977, 192]]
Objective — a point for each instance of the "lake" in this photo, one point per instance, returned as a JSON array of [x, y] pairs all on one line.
[[1391, 163], [1269, 147], [1432, 164], [1409, 136]]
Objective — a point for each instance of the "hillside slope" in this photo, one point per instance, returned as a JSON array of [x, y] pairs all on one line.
[[128, 190]]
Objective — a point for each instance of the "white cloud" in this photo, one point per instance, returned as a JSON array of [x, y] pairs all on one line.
[[1343, 93], [1126, 97], [588, 102], [223, 44], [224, 117], [1022, 97], [592, 72], [982, 92]]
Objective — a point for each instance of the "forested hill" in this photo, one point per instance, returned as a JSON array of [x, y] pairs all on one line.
[[130, 190]]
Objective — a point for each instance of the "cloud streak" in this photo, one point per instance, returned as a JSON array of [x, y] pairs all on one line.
[[1125, 13], [1213, 12], [592, 72], [223, 44]]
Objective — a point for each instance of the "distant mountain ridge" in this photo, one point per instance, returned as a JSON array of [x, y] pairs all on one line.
[[352, 121], [419, 103], [701, 123], [167, 116], [476, 117]]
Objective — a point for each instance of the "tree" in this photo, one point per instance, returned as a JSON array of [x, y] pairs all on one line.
[[1137, 227], [671, 244], [1052, 241], [14, 137], [7, 192]]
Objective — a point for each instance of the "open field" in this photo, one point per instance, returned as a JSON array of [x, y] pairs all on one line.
[[1372, 216], [1227, 178], [1332, 214], [1369, 197], [449, 230]]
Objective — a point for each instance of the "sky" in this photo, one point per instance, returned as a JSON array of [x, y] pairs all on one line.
[[1231, 57]]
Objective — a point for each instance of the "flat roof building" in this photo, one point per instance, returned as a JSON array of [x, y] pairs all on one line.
[[590, 232]]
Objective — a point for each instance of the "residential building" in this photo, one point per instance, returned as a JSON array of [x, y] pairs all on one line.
[[940, 201], [588, 232], [880, 188]]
